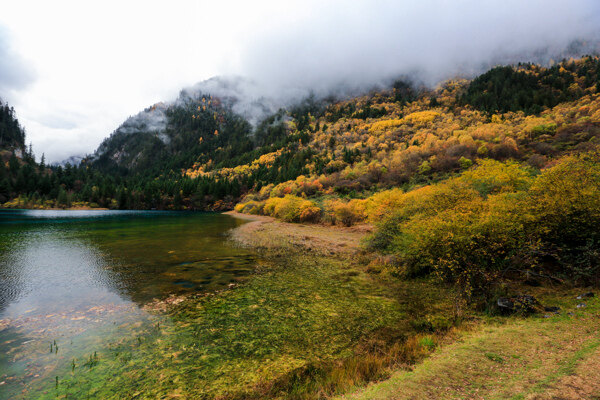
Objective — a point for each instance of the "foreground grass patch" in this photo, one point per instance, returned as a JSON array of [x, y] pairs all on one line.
[[513, 359]]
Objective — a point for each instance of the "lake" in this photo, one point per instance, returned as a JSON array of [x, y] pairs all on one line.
[[145, 305], [65, 276]]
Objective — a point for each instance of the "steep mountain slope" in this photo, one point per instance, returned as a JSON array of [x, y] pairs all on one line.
[[12, 135], [211, 115], [403, 138], [17, 165]]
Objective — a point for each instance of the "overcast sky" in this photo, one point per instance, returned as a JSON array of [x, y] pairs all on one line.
[[74, 70]]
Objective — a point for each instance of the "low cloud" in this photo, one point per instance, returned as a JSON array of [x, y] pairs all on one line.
[[363, 44], [15, 74]]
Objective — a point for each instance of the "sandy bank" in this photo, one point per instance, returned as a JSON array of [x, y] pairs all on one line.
[[269, 233]]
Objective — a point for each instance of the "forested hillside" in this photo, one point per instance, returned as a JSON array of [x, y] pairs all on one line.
[[12, 135], [197, 153], [12, 143]]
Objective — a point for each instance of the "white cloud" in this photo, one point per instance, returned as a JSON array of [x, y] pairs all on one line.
[[99, 62], [15, 74], [361, 42]]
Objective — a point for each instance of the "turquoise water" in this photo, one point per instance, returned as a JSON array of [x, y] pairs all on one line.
[[70, 278]]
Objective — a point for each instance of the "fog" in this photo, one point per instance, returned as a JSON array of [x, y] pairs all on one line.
[[141, 53], [372, 42]]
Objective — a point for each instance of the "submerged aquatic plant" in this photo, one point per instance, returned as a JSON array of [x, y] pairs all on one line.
[[301, 326]]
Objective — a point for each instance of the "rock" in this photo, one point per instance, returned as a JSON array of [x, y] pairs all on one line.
[[522, 303], [588, 294], [581, 305]]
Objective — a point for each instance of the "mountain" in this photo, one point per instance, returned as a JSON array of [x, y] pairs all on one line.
[[405, 137], [220, 142], [73, 161], [173, 135]]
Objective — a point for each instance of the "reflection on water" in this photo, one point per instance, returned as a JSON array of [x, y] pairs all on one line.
[[76, 276], [44, 271]]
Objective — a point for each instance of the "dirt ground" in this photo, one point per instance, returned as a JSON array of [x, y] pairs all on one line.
[[268, 233]]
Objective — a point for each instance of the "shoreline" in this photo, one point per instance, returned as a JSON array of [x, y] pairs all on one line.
[[267, 233], [82, 208]]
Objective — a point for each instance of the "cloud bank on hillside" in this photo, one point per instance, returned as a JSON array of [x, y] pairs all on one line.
[[361, 44]]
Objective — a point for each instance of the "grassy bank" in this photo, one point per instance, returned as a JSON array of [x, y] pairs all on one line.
[[533, 358]]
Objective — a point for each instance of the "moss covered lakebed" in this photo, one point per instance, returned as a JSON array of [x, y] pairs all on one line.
[[294, 324]]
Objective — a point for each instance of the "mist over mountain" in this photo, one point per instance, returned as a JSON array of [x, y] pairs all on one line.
[[254, 101], [155, 127], [73, 161], [370, 44]]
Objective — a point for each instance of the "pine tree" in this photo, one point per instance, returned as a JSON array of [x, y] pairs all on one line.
[[62, 199]]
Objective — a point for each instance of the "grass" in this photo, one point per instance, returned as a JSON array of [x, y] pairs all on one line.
[[494, 357], [507, 359]]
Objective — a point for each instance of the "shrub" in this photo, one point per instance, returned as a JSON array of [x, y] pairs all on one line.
[[470, 229], [381, 126], [287, 208], [543, 129], [390, 211], [379, 205], [292, 209], [464, 230], [270, 204], [309, 212], [469, 244], [265, 191], [250, 207], [387, 230], [422, 118], [465, 163], [564, 203], [346, 213], [492, 176]]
